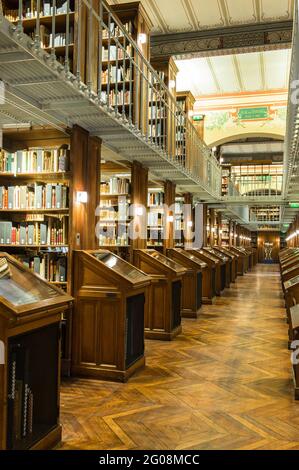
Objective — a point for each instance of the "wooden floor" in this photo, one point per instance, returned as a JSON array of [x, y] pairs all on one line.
[[224, 384]]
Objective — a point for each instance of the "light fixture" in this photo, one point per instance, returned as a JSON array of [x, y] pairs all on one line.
[[142, 38], [190, 224], [139, 211], [170, 218], [171, 84], [82, 197]]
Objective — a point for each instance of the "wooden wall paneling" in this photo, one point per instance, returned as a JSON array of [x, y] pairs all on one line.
[[272, 238], [169, 200]]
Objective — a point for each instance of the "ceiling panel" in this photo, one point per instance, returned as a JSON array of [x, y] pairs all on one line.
[[225, 73], [196, 75], [192, 15], [276, 66], [277, 10], [257, 71], [250, 69], [240, 12], [207, 14]]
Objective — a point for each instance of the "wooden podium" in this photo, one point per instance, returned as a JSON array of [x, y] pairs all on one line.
[[30, 330], [111, 301], [233, 263], [192, 286], [225, 266], [163, 319]]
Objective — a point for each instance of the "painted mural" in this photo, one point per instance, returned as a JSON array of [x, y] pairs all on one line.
[[236, 118]]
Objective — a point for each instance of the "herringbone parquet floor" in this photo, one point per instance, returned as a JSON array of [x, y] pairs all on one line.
[[224, 384]]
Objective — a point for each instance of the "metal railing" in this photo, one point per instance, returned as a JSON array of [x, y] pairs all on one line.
[[256, 181], [111, 66], [292, 128]]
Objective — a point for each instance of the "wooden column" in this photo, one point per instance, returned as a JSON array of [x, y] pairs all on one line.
[[213, 226], [169, 198], [188, 229], [205, 218], [85, 168], [139, 184]]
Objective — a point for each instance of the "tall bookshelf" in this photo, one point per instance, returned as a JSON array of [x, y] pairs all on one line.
[[185, 102], [41, 172], [114, 218], [225, 239], [162, 110], [123, 88], [156, 217], [60, 37]]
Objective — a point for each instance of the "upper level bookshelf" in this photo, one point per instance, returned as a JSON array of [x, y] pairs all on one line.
[[123, 85]]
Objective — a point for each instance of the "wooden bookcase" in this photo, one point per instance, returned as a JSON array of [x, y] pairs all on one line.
[[185, 102], [162, 118], [43, 233], [128, 96], [61, 40]]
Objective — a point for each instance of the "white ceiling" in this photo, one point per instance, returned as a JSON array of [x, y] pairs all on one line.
[[191, 15], [256, 71], [253, 148]]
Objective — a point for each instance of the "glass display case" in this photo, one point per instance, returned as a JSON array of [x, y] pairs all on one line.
[[31, 311], [192, 287], [215, 265], [225, 266], [164, 316], [112, 300]]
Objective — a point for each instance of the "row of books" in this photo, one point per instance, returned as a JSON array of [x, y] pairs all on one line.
[[30, 9], [46, 37], [157, 112], [34, 161], [115, 185], [52, 232], [116, 75], [34, 196], [113, 239], [115, 31], [48, 266], [118, 98], [115, 52], [155, 219], [156, 130], [155, 199]]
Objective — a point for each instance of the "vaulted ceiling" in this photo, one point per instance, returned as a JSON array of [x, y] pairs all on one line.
[[170, 16], [256, 71]]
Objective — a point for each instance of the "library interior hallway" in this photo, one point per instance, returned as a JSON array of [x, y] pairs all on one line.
[[225, 383]]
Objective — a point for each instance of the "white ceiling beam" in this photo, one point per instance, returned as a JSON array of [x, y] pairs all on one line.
[[217, 84], [238, 73]]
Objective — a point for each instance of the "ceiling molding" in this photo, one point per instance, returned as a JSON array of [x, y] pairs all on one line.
[[152, 5], [224, 14], [221, 41], [193, 20]]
